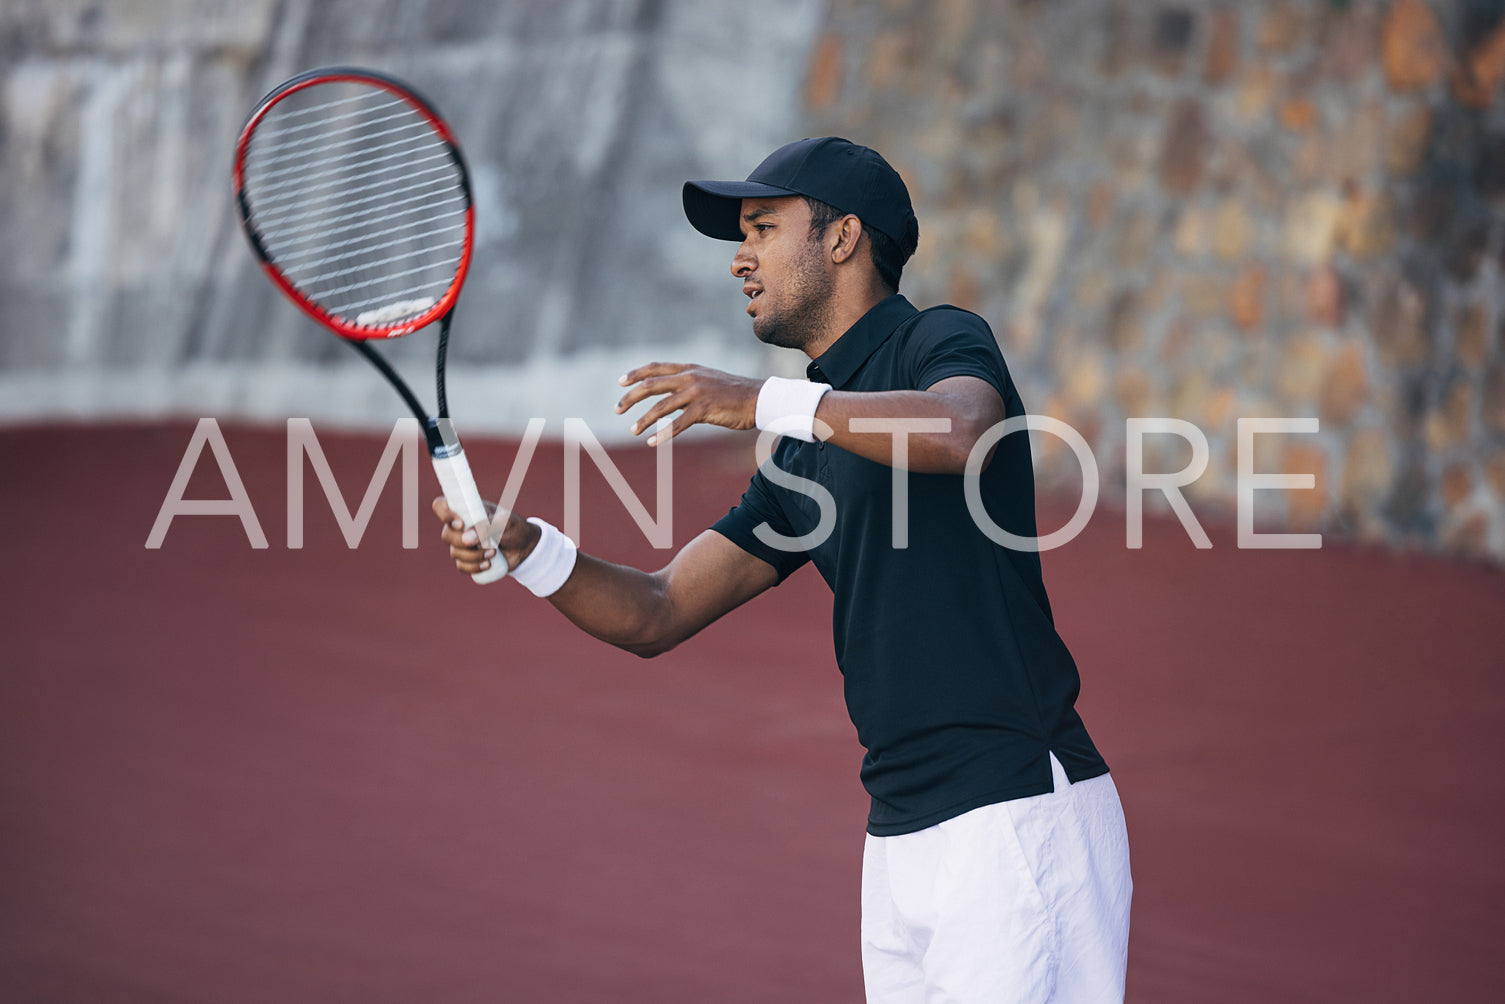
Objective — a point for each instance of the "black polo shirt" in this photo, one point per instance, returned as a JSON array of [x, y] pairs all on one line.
[[954, 674]]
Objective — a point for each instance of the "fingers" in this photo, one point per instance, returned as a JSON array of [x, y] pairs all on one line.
[[469, 558], [471, 561], [674, 428], [674, 384], [454, 532], [650, 370], [472, 539], [665, 406], [466, 546], [700, 395], [650, 386]]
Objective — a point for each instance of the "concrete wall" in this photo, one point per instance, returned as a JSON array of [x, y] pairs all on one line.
[[127, 285]]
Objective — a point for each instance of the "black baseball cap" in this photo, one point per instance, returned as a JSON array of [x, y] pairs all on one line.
[[853, 178]]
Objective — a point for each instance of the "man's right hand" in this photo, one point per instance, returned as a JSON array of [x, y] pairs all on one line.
[[470, 547]]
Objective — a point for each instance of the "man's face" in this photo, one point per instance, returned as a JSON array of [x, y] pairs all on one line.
[[784, 271]]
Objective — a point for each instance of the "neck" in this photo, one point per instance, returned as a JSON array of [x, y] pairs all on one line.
[[846, 311]]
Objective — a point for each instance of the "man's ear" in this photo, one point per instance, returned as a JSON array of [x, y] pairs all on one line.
[[848, 234]]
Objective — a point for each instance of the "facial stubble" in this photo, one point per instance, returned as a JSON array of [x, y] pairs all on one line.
[[808, 308]]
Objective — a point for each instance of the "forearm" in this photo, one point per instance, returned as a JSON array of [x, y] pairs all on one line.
[[619, 605], [622, 606], [930, 431], [645, 613], [648, 613], [925, 431]]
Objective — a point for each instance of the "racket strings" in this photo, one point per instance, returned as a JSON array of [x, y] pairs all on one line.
[[308, 184], [365, 247], [365, 93], [378, 201], [385, 280], [358, 200], [366, 235], [323, 277], [315, 252], [298, 170], [319, 131]]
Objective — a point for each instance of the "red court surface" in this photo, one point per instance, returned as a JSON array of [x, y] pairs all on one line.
[[329, 775]]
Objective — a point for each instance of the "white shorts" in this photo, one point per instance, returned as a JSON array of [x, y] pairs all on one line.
[[1022, 902]]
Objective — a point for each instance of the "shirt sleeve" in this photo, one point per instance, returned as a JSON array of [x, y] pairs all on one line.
[[760, 505], [948, 342]]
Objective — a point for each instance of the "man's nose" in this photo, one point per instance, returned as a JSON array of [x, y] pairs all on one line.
[[743, 262]]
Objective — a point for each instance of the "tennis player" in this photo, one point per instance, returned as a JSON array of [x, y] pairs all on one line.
[[996, 867]]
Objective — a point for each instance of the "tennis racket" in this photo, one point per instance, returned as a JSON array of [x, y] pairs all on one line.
[[355, 197]]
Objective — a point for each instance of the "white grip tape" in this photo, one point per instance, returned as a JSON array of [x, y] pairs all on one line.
[[459, 487], [788, 407]]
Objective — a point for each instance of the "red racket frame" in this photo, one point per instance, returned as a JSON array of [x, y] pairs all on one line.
[[341, 327]]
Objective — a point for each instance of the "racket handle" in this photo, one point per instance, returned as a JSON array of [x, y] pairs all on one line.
[[459, 487]]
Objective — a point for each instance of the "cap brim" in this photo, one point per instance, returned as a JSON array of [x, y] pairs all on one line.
[[715, 207]]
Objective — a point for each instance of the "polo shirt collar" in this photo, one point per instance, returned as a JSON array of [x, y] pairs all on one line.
[[845, 357]]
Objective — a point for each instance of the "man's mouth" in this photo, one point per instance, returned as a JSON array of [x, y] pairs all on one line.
[[752, 293]]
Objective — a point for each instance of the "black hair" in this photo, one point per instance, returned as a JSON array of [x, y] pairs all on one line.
[[887, 254]]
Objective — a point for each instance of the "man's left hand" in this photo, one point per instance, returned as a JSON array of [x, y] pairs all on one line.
[[700, 395]]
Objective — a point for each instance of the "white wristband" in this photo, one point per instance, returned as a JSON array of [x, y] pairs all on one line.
[[550, 562], [788, 407]]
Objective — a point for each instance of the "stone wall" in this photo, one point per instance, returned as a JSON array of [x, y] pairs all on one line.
[[1210, 211], [1201, 210]]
